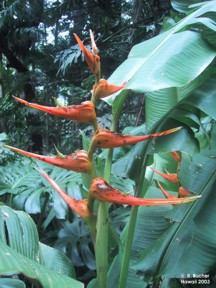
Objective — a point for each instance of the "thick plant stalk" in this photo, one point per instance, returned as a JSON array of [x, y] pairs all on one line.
[[101, 246], [103, 211], [77, 161]]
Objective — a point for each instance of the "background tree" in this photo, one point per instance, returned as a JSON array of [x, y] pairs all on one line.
[[41, 60]]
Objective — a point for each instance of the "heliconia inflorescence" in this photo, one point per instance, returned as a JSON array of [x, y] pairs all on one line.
[[173, 177], [81, 161]]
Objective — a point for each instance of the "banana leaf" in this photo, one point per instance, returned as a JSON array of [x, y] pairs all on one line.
[[180, 57]]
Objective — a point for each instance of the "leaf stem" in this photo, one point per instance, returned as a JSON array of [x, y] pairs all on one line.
[[131, 229]]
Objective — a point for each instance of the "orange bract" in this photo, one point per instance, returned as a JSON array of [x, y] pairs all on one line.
[[103, 89], [84, 112], [172, 177], [94, 46], [92, 60], [109, 139], [77, 161], [183, 192], [175, 156], [78, 206], [102, 191]]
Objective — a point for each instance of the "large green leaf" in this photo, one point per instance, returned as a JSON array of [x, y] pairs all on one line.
[[189, 245], [179, 57], [21, 252], [19, 231], [182, 6], [12, 262], [158, 103]]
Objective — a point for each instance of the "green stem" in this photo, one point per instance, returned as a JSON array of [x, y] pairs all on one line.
[[102, 245], [103, 214], [102, 231], [91, 223]]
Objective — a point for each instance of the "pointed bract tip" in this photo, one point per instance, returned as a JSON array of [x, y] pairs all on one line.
[[94, 46]]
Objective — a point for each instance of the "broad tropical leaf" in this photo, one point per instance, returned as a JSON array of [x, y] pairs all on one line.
[[12, 262], [21, 252], [179, 57]]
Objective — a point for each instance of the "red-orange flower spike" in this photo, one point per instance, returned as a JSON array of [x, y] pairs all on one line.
[[103, 89], [175, 156], [92, 60], [77, 161], [78, 206], [172, 177], [102, 191], [84, 112], [109, 139], [183, 192]]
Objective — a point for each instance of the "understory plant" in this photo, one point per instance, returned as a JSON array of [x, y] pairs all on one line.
[[171, 162]]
